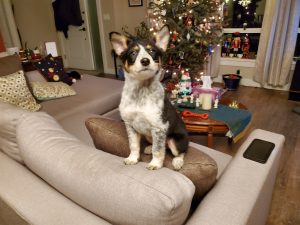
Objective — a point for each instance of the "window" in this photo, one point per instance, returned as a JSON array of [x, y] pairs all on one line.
[[242, 27]]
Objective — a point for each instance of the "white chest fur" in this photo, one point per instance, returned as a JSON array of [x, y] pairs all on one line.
[[142, 106]]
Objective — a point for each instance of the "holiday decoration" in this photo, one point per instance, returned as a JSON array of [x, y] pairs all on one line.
[[206, 82], [246, 47], [195, 27], [236, 43], [244, 3], [185, 84]]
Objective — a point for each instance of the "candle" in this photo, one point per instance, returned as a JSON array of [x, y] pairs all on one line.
[[207, 101]]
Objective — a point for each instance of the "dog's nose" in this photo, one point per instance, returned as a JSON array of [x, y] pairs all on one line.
[[145, 61]]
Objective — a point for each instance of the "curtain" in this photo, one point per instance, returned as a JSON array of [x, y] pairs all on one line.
[[277, 42], [8, 26], [215, 62]]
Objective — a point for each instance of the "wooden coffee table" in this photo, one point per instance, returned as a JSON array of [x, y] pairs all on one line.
[[209, 126]]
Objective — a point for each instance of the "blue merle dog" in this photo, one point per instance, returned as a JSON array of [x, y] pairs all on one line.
[[144, 106]]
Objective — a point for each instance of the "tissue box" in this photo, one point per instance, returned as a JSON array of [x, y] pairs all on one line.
[[214, 91]]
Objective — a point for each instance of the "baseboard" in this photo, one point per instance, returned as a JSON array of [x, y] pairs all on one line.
[[251, 83]]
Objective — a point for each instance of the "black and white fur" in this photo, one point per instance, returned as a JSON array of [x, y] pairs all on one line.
[[144, 106]]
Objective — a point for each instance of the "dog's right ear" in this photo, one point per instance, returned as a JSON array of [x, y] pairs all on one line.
[[118, 42]]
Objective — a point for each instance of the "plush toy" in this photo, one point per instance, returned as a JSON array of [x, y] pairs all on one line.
[[74, 76]]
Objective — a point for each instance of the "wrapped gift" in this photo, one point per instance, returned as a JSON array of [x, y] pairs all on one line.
[[216, 92]]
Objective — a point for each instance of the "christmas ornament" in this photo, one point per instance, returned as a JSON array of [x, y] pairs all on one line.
[[210, 49], [188, 36], [185, 84], [181, 54], [244, 3]]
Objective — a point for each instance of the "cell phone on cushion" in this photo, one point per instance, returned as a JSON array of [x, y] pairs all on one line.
[[259, 150]]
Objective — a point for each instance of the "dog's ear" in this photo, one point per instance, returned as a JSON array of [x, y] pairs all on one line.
[[162, 38], [118, 42]]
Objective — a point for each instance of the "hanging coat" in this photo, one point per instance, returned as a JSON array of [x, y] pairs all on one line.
[[66, 13]]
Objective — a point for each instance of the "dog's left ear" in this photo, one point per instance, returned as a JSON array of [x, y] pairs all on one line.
[[162, 38], [118, 42]]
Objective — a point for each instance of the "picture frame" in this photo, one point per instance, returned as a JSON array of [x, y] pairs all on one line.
[[135, 3]]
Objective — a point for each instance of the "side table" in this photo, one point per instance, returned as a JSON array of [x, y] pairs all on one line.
[[209, 126]]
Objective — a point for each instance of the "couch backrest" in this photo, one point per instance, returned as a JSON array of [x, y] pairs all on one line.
[[10, 116], [100, 182]]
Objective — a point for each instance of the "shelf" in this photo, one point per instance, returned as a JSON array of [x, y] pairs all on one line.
[[242, 30], [232, 61]]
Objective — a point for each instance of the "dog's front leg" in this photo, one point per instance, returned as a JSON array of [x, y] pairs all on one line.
[[134, 145], [158, 149]]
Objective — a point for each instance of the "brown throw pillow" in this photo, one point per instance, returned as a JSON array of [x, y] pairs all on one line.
[[10, 64], [111, 136]]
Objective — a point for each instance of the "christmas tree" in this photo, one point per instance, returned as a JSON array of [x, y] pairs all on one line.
[[195, 27]]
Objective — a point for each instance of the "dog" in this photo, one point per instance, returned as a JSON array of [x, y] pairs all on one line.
[[144, 107]]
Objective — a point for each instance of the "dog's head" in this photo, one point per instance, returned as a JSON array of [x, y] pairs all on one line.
[[141, 58]]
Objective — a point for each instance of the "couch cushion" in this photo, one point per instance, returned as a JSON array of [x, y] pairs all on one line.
[[99, 181], [27, 199], [14, 90], [10, 64], [110, 136], [10, 116], [75, 125], [94, 95], [35, 75], [51, 90], [53, 70]]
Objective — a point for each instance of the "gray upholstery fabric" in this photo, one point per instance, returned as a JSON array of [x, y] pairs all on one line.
[[94, 95], [198, 166], [9, 117], [244, 191], [100, 182], [75, 125], [35, 76], [33, 201]]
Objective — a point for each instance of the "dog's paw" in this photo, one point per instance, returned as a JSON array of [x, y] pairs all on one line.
[[177, 163], [148, 150], [154, 165], [131, 160]]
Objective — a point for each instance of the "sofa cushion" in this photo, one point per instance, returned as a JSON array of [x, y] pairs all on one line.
[[34, 75], [10, 116], [95, 95], [27, 199], [110, 136], [99, 181], [51, 90], [10, 64], [14, 90], [53, 70]]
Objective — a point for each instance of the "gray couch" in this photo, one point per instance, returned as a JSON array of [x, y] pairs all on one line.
[[61, 179]]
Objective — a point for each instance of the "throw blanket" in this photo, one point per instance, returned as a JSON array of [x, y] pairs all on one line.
[[237, 120]]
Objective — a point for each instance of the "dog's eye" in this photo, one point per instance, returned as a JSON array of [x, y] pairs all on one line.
[[133, 53]]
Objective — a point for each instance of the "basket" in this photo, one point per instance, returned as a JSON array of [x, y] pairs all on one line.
[[231, 81]]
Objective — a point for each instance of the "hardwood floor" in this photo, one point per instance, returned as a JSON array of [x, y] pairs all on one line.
[[272, 111]]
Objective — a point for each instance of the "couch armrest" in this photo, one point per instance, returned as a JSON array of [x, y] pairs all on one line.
[[243, 193]]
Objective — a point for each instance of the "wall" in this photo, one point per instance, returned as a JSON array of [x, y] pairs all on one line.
[[2, 47], [113, 15], [247, 71], [35, 22]]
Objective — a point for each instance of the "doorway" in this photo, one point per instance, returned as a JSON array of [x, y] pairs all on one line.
[[82, 48]]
